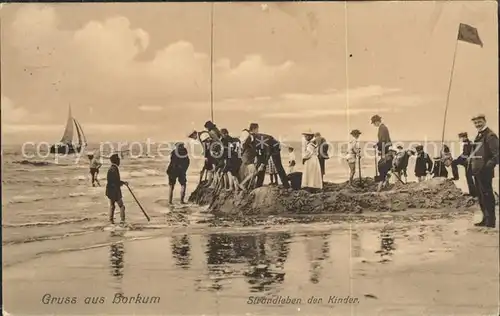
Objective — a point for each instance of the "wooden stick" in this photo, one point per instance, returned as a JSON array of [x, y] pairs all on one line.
[[137, 201], [359, 170]]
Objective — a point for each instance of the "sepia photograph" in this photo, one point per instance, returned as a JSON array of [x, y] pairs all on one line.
[[250, 158]]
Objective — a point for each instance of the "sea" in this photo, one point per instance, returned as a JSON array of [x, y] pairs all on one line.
[[48, 197], [49, 209]]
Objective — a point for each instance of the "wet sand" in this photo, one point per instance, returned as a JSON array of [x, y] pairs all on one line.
[[395, 267]]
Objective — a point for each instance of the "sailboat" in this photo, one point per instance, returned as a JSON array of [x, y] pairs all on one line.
[[66, 145]]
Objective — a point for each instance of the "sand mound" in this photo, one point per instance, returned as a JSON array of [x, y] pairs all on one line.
[[436, 193]]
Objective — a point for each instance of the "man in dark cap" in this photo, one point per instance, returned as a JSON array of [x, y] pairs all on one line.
[[384, 139], [462, 161], [113, 189], [483, 160], [177, 169]]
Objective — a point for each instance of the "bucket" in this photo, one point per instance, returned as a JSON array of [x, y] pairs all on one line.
[[295, 179]]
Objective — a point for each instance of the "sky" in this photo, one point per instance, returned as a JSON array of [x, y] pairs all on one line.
[[135, 71]]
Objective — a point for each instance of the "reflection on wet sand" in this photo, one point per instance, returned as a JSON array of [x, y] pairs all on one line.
[[116, 261], [181, 251], [318, 250], [387, 245], [219, 272], [264, 256], [356, 244]]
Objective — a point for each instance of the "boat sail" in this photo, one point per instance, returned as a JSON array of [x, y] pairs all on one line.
[[66, 145]]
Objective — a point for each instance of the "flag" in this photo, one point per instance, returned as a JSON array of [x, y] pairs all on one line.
[[469, 34]]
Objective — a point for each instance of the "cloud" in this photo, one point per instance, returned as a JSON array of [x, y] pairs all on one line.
[[102, 58], [88, 128], [319, 113], [11, 113], [329, 103], [30, 128], [151, 108]]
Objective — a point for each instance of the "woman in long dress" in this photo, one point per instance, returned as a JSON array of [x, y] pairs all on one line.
[[311, 177]]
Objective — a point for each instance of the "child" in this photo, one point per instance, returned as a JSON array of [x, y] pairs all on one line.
[[273, 173], [94, 169], [291, 160], [384, 167], [177, 169], [113, 189], [400, 162], [353, 153], [423, 164], [440, 164]]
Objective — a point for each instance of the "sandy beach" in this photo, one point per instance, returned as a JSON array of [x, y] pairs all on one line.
[[415, 79], [388, 268], [57, 243]]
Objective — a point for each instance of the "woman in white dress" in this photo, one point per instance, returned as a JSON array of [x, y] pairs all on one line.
[[311, 177]]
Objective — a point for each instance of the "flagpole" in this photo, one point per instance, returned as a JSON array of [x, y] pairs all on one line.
[[448, 97], [449, 90], [212, 61]]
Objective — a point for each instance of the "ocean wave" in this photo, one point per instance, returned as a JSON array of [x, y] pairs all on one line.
[[26, 199], [38, 163], [21, 199], [140, 173], [42, 238], [38, 224]]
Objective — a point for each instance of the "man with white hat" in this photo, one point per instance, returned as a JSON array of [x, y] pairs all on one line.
[[484, 159]]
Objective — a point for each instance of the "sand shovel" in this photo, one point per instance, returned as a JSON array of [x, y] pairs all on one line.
[[359, 171], [248, 179], [397, 176], [137, 201]]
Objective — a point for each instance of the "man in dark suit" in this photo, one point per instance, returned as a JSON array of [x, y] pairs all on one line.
[[384, 139], [462, 161], [483, 160], [269, 147]]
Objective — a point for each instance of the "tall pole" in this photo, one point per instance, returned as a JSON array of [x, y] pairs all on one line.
[[212, 61], [449, 90], [447, 102]]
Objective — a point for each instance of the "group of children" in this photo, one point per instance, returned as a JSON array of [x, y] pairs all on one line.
[[394, 160]]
